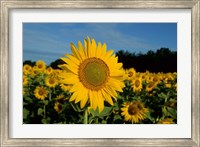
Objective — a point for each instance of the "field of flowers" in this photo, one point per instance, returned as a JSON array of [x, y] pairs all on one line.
[[93, 88]]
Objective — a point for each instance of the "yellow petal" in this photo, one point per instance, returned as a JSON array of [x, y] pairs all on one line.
[[75, 52], [103, 51], [116, 84], [116, 73], [93, 99], [72, 69], [100, 101], [85, 45], [88, 49], [74, 59], [110, 91], [107, 97], [108, 54], [75, 87], [73, 97], [98, 50], [93, 48], [69, 62], [81, 50], [84, 98]]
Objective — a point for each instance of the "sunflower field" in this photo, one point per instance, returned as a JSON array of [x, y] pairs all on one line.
[[92, 87]]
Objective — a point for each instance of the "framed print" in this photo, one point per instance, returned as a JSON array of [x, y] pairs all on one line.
[[100, 73]]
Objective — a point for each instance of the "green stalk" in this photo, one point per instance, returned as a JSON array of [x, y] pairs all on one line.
[[50, 95], [85, 117], [44, 111]]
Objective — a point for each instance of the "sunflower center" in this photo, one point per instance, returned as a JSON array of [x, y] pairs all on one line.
[[93, 73], [134, 108], [41, 92], [40, 66], [130, 74], [137, 83], [51, 81]]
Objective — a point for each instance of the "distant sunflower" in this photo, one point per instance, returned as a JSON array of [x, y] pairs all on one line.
[[41, 65], [65, 87], [137, 84], [94, 73], [27, 69], [134, 111], [58, 107], [131, 73], [40, 92], [150, 86], [51, 81], [25, 80], [49, 70]]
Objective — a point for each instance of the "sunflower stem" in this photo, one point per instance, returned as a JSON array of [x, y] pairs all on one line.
[[50, 96], [85, 117]]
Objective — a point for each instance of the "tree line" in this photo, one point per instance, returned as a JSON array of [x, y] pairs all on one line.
[[161, 60]]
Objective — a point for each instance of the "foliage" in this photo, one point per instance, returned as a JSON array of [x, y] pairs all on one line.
[[163, 60], [157, 92]]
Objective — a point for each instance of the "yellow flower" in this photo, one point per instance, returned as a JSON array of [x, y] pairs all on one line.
[[51, 81], [49, 70], [131, 73], [65, 87], [166, 121], [60, 97], [25, 80], [137, 84], [151, 86], [134, 111], [58, 107], [94, 73], [41, 65], [27, 69], [40, 92]]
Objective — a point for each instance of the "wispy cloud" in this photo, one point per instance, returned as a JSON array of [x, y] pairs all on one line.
[[49, 42]]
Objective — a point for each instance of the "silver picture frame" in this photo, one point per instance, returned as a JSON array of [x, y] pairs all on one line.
[[7, 5]]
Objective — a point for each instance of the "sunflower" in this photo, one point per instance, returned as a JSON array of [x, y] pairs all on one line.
[[41, 65], [137, 84], [49, 70], [150, 86], [94, 73], [40, 92], [65, 87], [25, 80], [51, 81], [58, 107], [134, 111], [131, 73], [27, 69]]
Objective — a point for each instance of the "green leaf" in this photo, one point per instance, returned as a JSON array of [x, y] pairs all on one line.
[[117, 117], [46, 121], [171, 112], [46, 102], [40, 110], [25, 113], [28, 99], [104, 122], [106, 111], [162, 95]]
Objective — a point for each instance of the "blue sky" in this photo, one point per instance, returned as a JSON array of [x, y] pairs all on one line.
[[50, 41]]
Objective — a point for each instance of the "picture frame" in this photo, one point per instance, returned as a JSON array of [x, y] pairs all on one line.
[[7, 5]]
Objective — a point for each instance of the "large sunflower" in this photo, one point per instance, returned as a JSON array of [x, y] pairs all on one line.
[[134, 111], [94, 73]]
